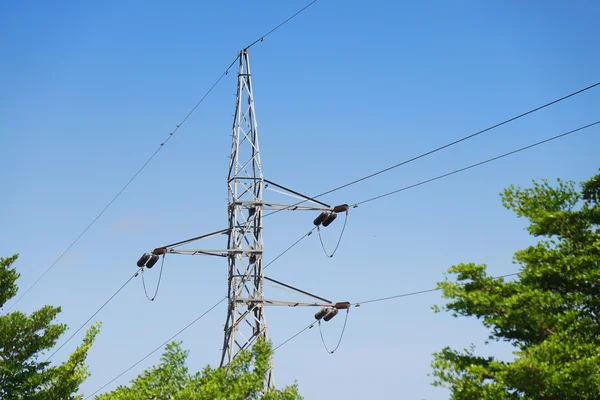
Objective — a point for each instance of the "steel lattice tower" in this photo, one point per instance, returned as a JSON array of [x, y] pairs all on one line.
[[245, 322], [245, 315]]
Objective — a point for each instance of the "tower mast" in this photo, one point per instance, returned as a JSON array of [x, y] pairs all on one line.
[[245, 321]]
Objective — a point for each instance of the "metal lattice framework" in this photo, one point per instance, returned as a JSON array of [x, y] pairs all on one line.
[[245, 322], [245, 315]]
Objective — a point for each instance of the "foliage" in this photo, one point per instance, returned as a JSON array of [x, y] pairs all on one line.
[[549, 315], [171, 380], [24, 338]]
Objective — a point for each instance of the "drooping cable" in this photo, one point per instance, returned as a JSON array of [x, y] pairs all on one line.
[[442, 147], [162, 264], [477, 164], [339, 239], [157, 348], [93, 315], [341, 335]]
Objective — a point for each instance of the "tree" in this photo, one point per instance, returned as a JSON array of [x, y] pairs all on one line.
[[550, 314], [171, 380], [23, 340]]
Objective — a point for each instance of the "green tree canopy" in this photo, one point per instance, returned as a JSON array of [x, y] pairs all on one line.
[[23, 340], [550, 314], [171, 380]]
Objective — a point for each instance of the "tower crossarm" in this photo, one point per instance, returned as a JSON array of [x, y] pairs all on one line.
[[281, 206], [285, 303], [216, 252], [167, 248]]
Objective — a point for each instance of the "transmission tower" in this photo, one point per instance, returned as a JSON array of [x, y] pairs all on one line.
[[245, 183], [245, 322]]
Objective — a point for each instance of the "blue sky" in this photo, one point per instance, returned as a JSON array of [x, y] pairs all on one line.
[[346, 88]]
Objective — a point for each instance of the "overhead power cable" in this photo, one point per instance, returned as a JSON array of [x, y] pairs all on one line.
[[443, 147], [260, 39], [358, 304], [476, 164], [93, 315], [177, 126], [295, 335], [307, 234]]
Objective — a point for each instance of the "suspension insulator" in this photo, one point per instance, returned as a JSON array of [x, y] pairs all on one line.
[[319, 220], [143, 260], [321, 313], [330, 218], [342, 305], [332, 312], [153, 260], [159, 251], [341, 208]]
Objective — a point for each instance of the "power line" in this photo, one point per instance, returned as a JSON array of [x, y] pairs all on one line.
[[152, 157], [93, 315], [260, 39], [396, 296], [157, 348], [444, 146], [289, 248], [358, 304], [294, 336], [476, 164]]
